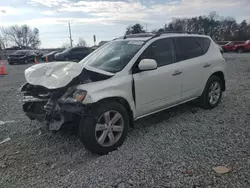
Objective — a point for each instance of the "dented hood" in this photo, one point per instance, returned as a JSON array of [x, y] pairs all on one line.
[[53, 75]]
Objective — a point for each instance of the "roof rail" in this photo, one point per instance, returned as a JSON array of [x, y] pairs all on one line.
[[149, 34], [173, 32], [153, 35]]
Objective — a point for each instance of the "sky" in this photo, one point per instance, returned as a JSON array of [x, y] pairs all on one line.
[[107, 19]]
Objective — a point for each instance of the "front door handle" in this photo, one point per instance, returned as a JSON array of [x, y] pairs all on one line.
[[176, 73], [207, 65]]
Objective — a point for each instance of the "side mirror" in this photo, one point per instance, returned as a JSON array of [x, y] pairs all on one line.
[[147, 64]]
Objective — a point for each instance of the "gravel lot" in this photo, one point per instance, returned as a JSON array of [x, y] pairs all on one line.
[[175, 148]]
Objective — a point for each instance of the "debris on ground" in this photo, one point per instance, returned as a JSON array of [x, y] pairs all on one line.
[[5, 140], [4, 122], [221, 169], [130, 182], [188, 172], [3, 165]]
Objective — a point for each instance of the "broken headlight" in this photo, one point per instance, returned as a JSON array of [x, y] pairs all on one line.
[[73, 95]]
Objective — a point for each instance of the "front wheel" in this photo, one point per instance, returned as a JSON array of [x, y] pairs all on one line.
[[212, 93], [106, 130]]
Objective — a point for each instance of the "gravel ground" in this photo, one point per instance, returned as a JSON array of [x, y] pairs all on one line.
[[175, 148]]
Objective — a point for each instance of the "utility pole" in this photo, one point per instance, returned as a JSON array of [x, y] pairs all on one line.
[[70, 36], [94, 39]]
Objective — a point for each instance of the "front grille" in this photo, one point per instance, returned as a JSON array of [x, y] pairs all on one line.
[[36, 91], [34, 107]]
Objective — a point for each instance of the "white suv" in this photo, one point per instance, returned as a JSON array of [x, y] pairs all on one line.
[[122, 81]]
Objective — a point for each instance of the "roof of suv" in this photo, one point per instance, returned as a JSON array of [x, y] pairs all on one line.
[[148, 36]]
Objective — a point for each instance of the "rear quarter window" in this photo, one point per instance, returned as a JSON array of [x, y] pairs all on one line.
[[204, 42], [187, 48]]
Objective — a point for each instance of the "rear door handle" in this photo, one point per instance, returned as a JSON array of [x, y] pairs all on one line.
[[207, 65], [176, 73]]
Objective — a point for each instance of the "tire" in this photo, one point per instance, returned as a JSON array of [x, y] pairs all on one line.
[[11, 63], [90, 136], [205, 101], [239, 50]]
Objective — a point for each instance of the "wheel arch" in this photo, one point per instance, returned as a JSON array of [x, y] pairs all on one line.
[[239, 47], [221, 75], [123, 102]]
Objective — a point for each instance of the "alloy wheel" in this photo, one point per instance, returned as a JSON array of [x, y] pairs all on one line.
[[109, 128], [214, 93]]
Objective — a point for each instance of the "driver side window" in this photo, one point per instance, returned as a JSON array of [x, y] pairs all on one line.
[[162, 51]]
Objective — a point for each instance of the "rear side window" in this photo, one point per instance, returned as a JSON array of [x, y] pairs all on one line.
[[78, 50], [205, 43], [187, 48], [162, 51]]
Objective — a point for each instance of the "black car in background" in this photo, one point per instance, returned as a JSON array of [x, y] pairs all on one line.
[[73, 54], [24, 56]]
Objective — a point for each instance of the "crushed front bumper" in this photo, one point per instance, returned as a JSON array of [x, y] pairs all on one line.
[[53, 114]]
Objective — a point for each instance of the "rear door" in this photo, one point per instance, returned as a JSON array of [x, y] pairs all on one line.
[[231, 46], [78, 53], [81, 52], [196, 67]]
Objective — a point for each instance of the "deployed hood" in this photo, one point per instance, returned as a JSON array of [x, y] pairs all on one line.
[[53, 75]]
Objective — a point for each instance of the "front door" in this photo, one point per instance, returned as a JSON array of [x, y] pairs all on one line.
[[159, 88]]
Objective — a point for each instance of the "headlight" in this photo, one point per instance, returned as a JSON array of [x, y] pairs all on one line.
[[73, 95], [79, 95]]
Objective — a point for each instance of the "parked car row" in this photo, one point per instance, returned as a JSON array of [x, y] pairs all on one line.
[[70, 54], [236, 46], [73, 54], [24, 56]]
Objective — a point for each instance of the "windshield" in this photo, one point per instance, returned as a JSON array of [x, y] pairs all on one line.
[[114, 56], [66, 50]]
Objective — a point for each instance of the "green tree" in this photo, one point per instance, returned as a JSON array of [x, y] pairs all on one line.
[[134, 29]]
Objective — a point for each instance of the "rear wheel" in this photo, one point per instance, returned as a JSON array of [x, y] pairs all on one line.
[[106, 130], [239, 50], [212, 93]]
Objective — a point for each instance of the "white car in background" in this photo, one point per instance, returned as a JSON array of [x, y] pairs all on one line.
[[122, 81]]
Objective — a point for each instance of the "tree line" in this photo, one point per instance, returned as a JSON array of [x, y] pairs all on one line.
[[23, 37], [219, 28]]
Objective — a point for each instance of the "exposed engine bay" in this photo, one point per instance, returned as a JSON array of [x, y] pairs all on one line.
[[56, 107]]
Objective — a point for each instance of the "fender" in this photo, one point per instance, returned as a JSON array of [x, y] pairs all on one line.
[[120, 87]]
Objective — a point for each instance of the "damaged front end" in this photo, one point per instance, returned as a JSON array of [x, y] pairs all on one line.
[[52, 107], [58, 106]]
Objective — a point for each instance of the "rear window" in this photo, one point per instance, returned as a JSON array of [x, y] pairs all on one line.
[[187, 48], [204, 42], [80, 49]]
